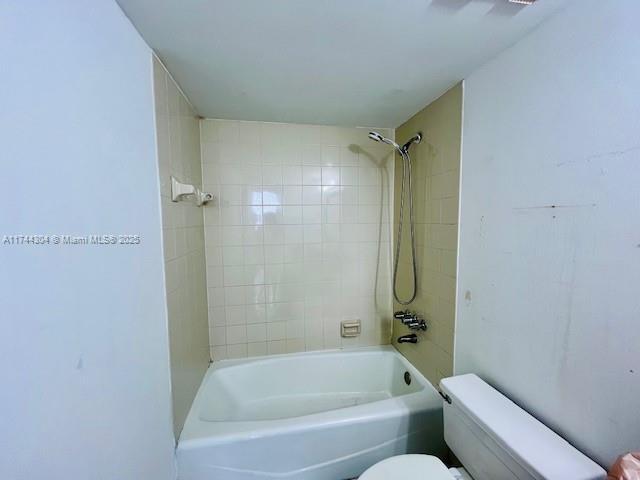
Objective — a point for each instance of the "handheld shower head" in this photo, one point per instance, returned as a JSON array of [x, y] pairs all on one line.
[[401, 150], [375, 136], [379, 138]]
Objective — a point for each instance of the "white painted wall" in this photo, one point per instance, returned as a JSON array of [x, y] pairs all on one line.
[[548, 297], [83, 329]]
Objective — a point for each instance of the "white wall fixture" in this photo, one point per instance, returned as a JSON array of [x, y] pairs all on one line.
[[549, 267], [182, 191]]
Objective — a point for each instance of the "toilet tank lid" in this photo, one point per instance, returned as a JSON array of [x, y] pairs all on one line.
[[529, 442]]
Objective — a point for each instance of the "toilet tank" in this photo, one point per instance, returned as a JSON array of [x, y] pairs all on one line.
[[497, 440]]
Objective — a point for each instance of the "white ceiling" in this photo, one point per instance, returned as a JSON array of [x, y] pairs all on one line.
[[337, 62]]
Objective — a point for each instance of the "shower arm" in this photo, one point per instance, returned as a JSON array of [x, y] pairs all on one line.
[[417, 138]]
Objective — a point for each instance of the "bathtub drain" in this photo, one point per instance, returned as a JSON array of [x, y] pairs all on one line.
[[407, 378]]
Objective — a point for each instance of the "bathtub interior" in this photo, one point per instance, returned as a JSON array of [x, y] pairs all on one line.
[[280, 388], [308, 416]]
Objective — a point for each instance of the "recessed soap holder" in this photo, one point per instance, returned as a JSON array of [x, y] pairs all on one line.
[[181, 191], [350, 328]]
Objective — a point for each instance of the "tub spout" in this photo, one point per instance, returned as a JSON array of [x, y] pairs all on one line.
[[411, 338]]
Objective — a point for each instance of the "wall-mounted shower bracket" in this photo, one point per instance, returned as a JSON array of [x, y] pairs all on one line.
[[181, 191]]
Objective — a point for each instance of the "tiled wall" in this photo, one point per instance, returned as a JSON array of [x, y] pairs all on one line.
[[299, 239], [178, 137], [436, 175]]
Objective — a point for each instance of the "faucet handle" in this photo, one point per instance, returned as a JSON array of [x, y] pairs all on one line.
[[417, 324], [411, 320]]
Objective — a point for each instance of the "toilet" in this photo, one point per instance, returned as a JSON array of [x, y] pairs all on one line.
[[494, 439]]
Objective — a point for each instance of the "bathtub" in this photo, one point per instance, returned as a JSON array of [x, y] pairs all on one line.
[[308, 416]]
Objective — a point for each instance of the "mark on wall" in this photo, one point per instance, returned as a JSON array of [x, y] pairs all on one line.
[[600, 156], [585, 205], [494, 7]]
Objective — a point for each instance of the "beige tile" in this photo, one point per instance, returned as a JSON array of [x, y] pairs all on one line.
[[321, 202], [190, 337], [438, 175], [237, 351], [448, 262], [444, 185], [256, 349], [445, 236], [449, 210]]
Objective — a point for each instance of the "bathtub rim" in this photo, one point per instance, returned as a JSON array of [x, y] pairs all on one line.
[[198, 433]]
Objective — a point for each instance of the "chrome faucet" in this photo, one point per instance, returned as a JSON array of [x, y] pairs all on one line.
[[411, 320], [411, 338]]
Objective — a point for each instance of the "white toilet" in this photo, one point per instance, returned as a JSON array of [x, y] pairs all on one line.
[[494, 439]]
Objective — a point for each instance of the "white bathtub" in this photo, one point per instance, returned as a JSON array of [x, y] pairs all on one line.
[[308, 416]]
